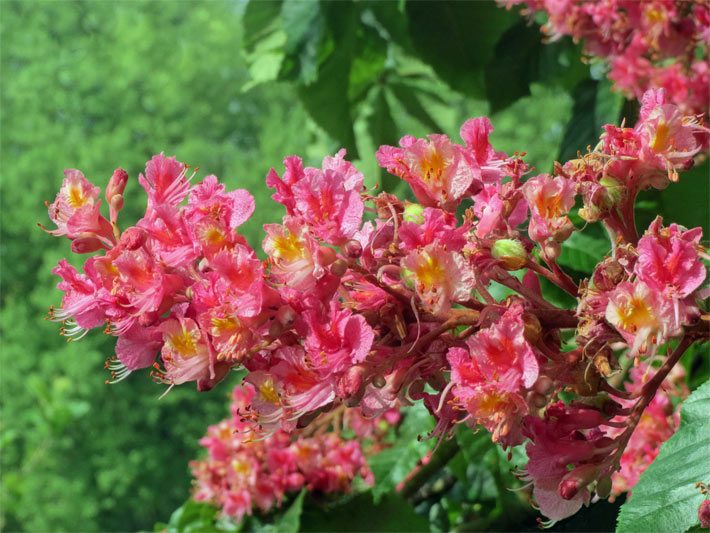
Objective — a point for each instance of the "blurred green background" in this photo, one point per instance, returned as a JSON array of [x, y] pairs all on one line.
[[97, 85]]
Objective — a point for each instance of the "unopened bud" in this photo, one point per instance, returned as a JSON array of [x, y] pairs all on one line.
[[117, 184], [86, 245], [532, 328], [133, 238], [413, 213], [352, 249], [537, 400], [704, 514], [351, 384], [379, 381], [326, 255], [116, 202], [602, 364], [551, 249], [604, 487], [510, 253], [543, 385], [339, 268]]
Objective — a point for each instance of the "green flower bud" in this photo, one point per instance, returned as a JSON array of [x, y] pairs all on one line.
[[413, 213], [614, 189], [510, 253]]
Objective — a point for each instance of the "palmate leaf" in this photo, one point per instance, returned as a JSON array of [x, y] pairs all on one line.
[[666, 498]]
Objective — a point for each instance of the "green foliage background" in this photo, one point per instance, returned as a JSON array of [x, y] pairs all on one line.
[[96, 85]]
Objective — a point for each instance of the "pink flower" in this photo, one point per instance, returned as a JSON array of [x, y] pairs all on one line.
[[327, 200], [435, 168], [437, 226], [240, 279], [165, 181], [81, 308], [668, 259], [503, 354], [185, 353], [641, 316], [293, 253], [439, 277], [213, 215], [550, 199]]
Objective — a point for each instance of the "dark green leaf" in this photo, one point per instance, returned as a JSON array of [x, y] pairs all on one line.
[[686, 202], [582, 252], [290, 520], [411, 104], [594, 106], [458, 38], [383, 130], [665, 497], [513, 66], [361, 513]]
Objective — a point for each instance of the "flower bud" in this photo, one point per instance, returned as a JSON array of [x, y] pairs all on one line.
[[339, 268], [551, 249], [704, 514], [379, 381], [604, 487], [413, 213], [510, 253], [117, 184], [133, 238], [532, 328], [86, 245], [326, 255], [543, 385], [352, 249]]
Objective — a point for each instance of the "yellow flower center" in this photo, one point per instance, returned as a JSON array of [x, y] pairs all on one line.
[[268, 392], [288, 247], [432, 166], [430, 271], [635, 314], [75, 196], [183, 342], [661, 137]]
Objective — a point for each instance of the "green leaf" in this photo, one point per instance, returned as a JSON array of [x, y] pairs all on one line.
[[382, 130], [303, 23], [407, 96], [686, 202], [582, 252], [665, 498], [361, 513], [594, 106], [263, 41], [290, 520], [393, 464], [513, 66], [191, 517], [458, 39]]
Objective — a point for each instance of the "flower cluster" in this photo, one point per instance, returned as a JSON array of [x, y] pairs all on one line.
[[368, 301], [649, 44], [242, 472]]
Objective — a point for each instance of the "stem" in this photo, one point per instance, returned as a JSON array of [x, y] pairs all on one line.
[[556, 275], [648, 392], [421, 473]]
